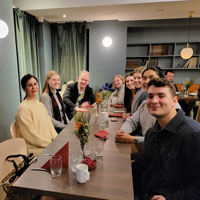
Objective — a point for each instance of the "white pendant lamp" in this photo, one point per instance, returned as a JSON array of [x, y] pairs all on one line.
[[3, 29], [187, 52]]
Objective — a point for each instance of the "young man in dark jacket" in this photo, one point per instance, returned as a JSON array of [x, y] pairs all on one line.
[[169, 167]]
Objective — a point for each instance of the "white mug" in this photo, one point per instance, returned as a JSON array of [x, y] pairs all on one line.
[[82, 174]]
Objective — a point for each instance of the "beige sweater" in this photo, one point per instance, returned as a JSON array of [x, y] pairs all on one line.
[[34, 125]]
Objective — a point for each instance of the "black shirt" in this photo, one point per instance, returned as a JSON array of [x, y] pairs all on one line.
[[170, 163]]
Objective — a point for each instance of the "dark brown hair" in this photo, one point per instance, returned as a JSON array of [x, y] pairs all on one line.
[[161, 82]]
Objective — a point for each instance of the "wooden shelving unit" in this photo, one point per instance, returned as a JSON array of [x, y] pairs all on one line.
[[164, 55]]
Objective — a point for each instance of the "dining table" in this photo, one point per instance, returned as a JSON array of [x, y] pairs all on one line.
[[188, 97], [110, 179]]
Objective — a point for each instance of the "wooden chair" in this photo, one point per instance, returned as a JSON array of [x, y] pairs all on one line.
[[198, 114], [193, 88], [10, 147], [13, 130]]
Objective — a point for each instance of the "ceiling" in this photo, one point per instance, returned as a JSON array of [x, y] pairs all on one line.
[[98, 10]]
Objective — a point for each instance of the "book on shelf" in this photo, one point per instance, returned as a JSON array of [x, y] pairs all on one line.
[[191, 63], [159, 50], [132, 63]]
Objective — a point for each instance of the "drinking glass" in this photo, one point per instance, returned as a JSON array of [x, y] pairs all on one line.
[[103, 120], [88, 148], [56, 166], [74, 160], [99, 145]]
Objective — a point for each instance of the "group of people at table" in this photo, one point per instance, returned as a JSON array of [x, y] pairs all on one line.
[[168, 168]]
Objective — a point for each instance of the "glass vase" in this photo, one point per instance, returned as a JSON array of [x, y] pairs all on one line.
[[98, 109]]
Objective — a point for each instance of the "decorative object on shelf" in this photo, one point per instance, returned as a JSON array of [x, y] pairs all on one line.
[[187, 84], [3, 29], [187, 52], [82, 131], [191, 63]]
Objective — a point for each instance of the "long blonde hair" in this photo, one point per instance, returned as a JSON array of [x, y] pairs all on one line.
[[46, 86]]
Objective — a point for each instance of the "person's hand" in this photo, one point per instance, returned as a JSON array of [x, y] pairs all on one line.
[[84, 104], [126, 115], [80, 109], [122, 136], [158, 197]]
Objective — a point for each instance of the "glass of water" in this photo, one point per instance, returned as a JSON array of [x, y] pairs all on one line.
[[103, 120], [56, 166], [99, 145]]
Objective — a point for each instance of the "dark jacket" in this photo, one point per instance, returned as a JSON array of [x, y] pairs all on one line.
[[71, 95], [170, 163]]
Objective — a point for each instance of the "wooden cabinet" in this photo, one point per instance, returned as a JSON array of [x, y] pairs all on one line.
[[164, 55]]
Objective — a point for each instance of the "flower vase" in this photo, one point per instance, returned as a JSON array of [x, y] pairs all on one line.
[[186, 91], [82, 150], [98, 109]]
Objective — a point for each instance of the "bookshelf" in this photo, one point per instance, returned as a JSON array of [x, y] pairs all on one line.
[[164, 55]]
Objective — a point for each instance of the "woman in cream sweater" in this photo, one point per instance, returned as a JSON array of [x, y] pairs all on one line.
[[32, 119]]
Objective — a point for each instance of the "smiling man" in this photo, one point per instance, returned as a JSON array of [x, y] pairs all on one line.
[[141, 117], [169, 167], [78, 95]]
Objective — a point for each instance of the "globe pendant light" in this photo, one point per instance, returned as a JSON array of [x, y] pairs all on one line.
[[187, 52], [3, 29]]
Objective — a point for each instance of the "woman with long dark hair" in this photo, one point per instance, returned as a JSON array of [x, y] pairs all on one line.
[[32, 120]]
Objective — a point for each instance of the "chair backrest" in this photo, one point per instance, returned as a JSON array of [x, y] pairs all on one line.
[[198, 114], [13, 130], [193, 88], [10, 147]]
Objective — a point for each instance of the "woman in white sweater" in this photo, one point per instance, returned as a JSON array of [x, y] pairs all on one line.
[[52, 100], [32, 119]]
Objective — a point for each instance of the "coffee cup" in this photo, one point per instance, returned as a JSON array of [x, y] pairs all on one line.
[[82, 173]]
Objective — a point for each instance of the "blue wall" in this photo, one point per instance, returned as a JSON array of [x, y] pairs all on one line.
[[9, 87], [105, 63]]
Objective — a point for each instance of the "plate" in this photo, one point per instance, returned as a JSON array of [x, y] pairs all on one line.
[[193, 94]]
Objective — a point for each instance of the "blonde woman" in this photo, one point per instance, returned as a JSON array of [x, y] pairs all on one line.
[[117, 96], [140, 94], [51, 98], [32, 120]]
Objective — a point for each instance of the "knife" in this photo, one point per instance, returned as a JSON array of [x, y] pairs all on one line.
[[40, 169]]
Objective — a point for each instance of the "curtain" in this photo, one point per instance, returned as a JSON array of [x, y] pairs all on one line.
[[69, 49], [26, 32]]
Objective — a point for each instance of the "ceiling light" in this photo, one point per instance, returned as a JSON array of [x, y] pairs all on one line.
[[107, 41], [40, 19], [3, 29], [64, 15], [187, 52]]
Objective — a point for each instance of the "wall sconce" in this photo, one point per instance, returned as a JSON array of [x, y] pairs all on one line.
[[3, 29], [107, 41], [187, 52]]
